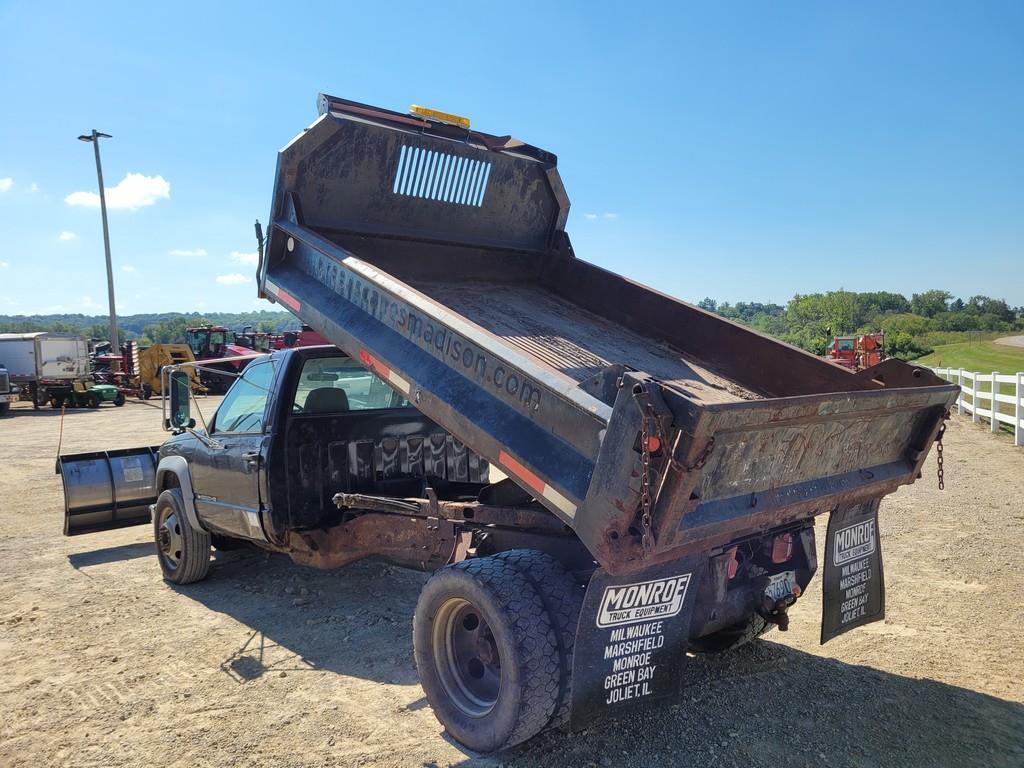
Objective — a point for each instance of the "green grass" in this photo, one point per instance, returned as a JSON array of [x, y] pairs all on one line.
[[981, 357]]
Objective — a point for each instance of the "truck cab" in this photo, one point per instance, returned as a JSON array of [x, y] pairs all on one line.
[[296, 427], [8, 393]]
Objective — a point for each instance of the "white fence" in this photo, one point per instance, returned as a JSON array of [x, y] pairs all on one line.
[[1005, 390]]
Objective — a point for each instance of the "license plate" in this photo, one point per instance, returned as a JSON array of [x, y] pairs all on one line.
[[780, 585]]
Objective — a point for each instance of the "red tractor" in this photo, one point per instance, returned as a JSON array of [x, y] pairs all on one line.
[[858, 352], [215, 342], [306, 337]]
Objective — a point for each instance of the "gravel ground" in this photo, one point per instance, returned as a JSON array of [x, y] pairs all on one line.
[[269, 664]]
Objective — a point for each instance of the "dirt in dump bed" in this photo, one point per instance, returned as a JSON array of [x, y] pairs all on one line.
[[574, 341]]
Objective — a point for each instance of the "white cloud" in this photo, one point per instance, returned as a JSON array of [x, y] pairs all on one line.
[[134, 191], [66, 236], [590, 216], [87, 304], [609, 215], [33, 187], [233, 279], [594, 216], [251, 259], [194, 252], [4, 264], [6, 184], [127, 268]]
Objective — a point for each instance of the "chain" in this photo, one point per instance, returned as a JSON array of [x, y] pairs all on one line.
[[938, 457], [701, 460], [698, 463], [647, 539]]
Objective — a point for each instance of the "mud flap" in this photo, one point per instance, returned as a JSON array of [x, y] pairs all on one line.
[[853, 591], [632, 639]]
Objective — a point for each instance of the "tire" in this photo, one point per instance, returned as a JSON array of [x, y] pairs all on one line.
[[119, 399], [146, 393], [93, 400], [563, 599], [732, 637], [182, 551], [487, 653]]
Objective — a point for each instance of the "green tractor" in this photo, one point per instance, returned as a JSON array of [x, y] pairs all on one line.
[[85, 394]]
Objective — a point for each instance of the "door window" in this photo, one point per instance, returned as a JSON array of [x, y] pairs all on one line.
[[340, 384], [245, 405]]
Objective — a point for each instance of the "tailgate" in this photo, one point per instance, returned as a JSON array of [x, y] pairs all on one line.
[[738, 469], [776, 461]]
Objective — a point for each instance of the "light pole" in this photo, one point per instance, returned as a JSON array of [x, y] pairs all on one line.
[[95, 137]]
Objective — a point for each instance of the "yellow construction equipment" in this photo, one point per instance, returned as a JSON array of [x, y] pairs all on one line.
[[148, 362]]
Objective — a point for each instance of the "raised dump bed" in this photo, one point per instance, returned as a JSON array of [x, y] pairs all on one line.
[[438, 256]]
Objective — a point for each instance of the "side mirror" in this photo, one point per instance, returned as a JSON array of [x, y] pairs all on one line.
[[180, 391]]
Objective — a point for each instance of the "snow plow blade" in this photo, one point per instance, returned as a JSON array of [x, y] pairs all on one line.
[[107, 489]]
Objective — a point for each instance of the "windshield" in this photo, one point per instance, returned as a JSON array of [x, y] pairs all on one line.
[[245, 404]]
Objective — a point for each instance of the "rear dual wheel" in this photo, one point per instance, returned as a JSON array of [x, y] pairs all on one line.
[[493, 645]]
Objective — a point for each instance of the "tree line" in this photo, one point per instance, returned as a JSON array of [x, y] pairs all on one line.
[[155, 328], [911, 326], [810, 321]]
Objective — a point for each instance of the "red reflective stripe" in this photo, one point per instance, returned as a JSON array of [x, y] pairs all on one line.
[[521, 472], [288, 299], [373, 363]]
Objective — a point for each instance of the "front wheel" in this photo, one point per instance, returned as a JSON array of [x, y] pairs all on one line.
[[183, 551], [487, 653], [119, 399]]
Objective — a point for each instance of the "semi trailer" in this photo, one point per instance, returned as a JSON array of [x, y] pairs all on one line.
[[41, 361], [602, 478]]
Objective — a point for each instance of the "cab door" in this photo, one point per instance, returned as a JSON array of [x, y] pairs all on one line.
[[226, 473]]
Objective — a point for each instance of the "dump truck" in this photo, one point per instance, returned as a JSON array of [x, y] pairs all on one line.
[[602, 478]]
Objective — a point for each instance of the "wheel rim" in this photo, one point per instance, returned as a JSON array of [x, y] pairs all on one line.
[[168, 537], [466, 657]]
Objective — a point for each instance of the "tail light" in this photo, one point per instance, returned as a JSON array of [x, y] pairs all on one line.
[[733, 562], [782, 548]]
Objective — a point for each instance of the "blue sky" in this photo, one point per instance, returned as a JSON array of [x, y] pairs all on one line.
[[747, 152]]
